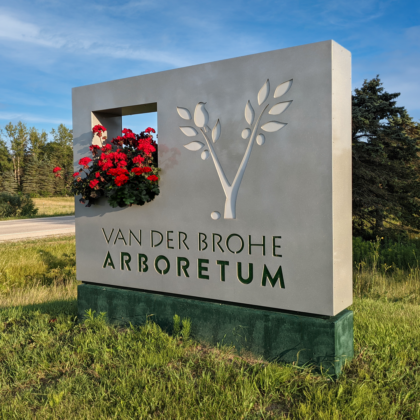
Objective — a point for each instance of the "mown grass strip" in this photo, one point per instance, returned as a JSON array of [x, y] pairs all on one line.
[[52, 366]]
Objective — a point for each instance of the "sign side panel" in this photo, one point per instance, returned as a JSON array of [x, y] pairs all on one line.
[[342, 178]]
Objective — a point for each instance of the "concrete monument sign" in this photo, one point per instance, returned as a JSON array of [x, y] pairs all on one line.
[[255, 202]]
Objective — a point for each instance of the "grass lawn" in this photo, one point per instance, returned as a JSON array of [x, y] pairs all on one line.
[[54, 367], [50, 207], [54, 206]]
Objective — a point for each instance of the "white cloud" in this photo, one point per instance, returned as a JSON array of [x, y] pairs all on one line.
[[80, 42], [14, 116], [16, 30]]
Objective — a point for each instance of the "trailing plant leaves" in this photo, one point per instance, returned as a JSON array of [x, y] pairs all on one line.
[[184, 113], [279, 108], [283, 88], [189, 131], [215, 134], [273, 126], [263, 93], [249, 113], [194, 146]]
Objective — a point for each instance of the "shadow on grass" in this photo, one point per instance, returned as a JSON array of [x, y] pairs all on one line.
[[53, 308]]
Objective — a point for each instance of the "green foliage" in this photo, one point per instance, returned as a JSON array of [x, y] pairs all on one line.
[[6, 163], [16, 205], [387, 254], [28, 146], [30, 182], [45, 178], [37, 142], [53, 365], [37, 262], [185, 331], [9, 183], [385, 177], [177, 325]]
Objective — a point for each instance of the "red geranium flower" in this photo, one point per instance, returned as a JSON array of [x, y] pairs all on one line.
[[94, 147], [75, 174], [97, 175], [147, 169], [56, 169], [152, 178], [145, 146], [117, 171], [93, 183], [149, 129], [98, 129], [138, 159], [85, 161], [121, 180], [137, 171], [106, 148]]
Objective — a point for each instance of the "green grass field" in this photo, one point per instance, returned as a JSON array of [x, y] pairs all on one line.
[[50, 207], [53, 367]]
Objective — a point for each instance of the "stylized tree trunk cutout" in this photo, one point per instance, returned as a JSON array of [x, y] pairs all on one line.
[[201, 119]]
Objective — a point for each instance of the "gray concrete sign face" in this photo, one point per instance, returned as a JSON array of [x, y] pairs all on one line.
[[255, 202]]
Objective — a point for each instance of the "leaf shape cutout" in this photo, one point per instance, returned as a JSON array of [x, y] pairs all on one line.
[[189, 131], [215, 134], [194, 146], [279, 108], [205, 154], [283, 88], [273, 126], [183, 113], [245, 133], [260, 139], [263, 93], [249, 113]]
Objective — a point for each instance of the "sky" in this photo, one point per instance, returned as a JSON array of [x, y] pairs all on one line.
[[47, 47]]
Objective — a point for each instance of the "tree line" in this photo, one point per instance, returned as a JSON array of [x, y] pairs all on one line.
[[386, 163], [27, 157]]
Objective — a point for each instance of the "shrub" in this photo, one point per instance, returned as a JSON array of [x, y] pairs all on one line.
[[387, 254], [16, 205]]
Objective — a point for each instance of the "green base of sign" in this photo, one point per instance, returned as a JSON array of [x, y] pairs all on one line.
[[275, 335]]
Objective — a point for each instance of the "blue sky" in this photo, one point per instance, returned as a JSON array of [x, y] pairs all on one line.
[[47, 46]]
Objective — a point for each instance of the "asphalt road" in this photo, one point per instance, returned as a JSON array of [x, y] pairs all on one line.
[[36, 228]]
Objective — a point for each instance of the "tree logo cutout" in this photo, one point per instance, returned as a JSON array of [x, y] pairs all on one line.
[[201, 118]]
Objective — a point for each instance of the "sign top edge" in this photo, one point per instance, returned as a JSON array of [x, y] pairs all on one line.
[[330, 41]]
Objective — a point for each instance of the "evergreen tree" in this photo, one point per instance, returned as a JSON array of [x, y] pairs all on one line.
[[9, 183], [45, 178], [386, 185], [5, 157], [30, 181]]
